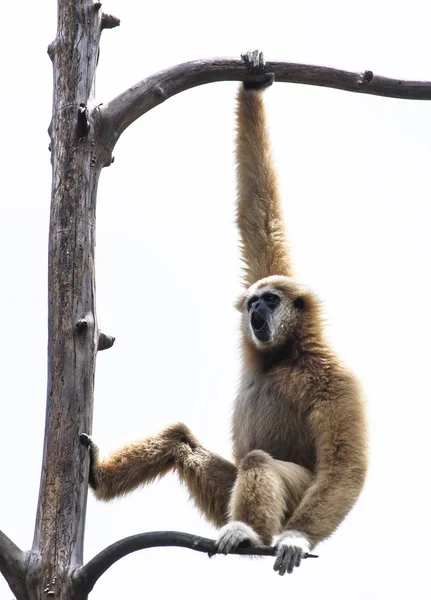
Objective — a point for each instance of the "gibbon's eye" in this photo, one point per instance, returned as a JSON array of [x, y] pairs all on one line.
[[271, 299], [299, 303], [251, 302]]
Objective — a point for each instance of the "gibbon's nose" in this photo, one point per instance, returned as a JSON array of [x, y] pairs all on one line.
[[259, 305]]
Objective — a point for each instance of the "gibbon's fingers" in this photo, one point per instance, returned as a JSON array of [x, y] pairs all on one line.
[[291, 548], [255, 63], [94, 451], [288, 557]]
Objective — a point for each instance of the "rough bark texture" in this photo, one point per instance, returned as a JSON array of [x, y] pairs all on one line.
[[12, 565], [77, 160], [123, 110]]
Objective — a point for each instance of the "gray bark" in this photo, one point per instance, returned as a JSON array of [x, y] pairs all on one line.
[[88, 575], [12, 564], [123, 110], [77, 158]]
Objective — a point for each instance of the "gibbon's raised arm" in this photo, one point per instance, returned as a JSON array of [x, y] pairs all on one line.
[[259, 214]]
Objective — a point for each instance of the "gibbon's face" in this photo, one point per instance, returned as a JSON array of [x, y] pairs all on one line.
[[274, 310]]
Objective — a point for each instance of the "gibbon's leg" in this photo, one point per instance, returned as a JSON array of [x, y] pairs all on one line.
[[208, 477], [265, 494], [259, 214]]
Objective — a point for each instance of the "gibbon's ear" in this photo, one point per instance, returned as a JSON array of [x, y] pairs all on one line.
[[240, 302], [299, 303]]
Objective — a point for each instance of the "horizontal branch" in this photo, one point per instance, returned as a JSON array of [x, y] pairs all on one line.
[[12, 562], [87, 575], [123, 110]]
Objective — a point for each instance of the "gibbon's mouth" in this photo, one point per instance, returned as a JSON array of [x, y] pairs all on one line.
[[258, 322], [260, 326]]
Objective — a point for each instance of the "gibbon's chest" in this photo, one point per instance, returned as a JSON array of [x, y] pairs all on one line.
[[270, 419]]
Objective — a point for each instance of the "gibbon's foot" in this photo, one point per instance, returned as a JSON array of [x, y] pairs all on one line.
[[85, 440], [291, 548], [88, 443], [255, 63], [236, 534]]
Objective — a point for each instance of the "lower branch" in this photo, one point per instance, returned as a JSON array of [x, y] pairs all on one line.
[[87, 576], [12, 563], [123, 110]]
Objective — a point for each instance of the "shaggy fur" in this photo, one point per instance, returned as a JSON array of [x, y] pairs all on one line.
[[298, 422]]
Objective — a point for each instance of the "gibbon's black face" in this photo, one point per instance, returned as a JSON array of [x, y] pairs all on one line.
[[276, 309], [260, 309]]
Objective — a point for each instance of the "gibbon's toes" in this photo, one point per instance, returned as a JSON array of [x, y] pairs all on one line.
[[291, 548], [85, 440], [234, 535]]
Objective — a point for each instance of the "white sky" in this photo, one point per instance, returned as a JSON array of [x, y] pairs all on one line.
[[354, 172]]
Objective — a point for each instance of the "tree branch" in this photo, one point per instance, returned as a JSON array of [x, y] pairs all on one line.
[[105, 341], [12, 562], [109, 21], [123, 110], [87, 576]]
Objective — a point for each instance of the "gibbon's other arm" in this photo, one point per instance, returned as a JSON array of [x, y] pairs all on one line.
[[339, 428], [259, 214]]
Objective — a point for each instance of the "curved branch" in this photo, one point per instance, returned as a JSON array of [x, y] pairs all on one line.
[[123, 110], [87, 575], [12, 563]]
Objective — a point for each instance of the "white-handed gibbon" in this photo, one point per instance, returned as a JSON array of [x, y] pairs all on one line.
[[299, 434]]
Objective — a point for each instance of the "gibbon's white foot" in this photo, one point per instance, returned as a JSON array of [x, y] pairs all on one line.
[[291, 548], [235, 534]]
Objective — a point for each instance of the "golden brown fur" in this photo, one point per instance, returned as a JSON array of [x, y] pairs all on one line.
[[208, 476], [259, 214], [296, 401], [298, 422]]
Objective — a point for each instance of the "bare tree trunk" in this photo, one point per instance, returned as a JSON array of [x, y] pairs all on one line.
[[77, 160]]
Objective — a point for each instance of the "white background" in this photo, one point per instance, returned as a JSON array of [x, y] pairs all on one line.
[[354, 174]]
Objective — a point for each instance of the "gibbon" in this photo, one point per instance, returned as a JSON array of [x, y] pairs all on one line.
[[299, 433]]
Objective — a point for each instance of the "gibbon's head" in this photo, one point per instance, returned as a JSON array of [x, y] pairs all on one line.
[[278, 310]]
